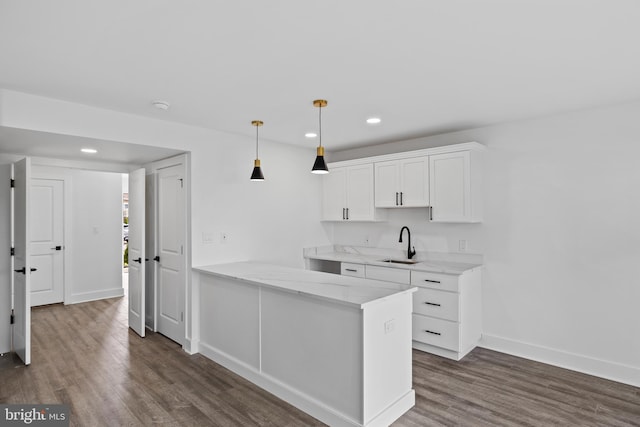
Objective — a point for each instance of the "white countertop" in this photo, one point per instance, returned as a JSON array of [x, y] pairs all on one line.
[[341, 289], [433, 266]]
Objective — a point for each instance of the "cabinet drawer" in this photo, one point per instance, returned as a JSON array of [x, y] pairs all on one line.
[[349, 269], [441, 333], [446, 282], [387, 274], [440, 304]]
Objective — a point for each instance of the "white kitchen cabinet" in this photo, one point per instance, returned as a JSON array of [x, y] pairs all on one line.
[[454, 187], [348, 194], [387, 274], [402, 183], [447, 312], [351, 269]]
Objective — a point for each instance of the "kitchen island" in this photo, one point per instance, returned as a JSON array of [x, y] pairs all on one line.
[[338, 348]]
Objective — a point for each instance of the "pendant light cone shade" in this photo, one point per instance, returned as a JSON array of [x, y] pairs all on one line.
[[320, 166], [257, 174]]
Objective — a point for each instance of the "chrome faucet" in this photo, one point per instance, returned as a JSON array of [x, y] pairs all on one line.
[[410, 252]]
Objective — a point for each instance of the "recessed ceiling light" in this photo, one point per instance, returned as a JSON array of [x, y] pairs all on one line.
[[374, 120], [89, 150], [310, 135], [161, 105]]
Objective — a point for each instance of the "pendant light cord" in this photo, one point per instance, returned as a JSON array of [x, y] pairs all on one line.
[[320, 125], [257, 142]]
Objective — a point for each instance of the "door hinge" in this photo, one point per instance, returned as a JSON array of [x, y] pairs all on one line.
[[13, 318], [13, 251], [13, 183]]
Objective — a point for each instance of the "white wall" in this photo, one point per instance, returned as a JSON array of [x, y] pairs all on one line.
[[96, 236], [271, 221], [5, 258], [561, 237]]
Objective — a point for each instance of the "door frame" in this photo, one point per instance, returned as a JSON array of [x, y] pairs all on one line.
[[64, 175], [190, 309]]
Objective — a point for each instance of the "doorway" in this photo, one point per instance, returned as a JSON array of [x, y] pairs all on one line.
[[46, 217]]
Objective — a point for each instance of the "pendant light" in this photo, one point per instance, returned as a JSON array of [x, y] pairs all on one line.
[[320, 166], [257, 175]]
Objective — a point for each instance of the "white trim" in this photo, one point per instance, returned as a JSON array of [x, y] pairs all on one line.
[[576, 362], [466, 146], [290, 395], [95, 295], [191, 346]]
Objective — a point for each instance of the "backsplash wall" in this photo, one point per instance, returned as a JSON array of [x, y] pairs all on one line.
[[425, 235]]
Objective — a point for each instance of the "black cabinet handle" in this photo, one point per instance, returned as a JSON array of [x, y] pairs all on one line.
[[343, 214], [23, 270], [431, 281], [347, 213], [57, 248], [401, 198], [351, 270], [433, 304], [139, 260], [156, 258], [432, 333], [430, 213], [396, 198]]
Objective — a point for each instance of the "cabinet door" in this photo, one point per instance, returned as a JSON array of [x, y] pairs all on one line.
[[414, 182], [334, 190], [360, 192], [450, 187], [387, 185]]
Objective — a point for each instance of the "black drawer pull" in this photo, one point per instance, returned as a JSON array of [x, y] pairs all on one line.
[[351, 270], [432, 281], [431, 332], [432, 303]]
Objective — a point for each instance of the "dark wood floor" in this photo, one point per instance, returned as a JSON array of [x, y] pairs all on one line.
[[85, 356]]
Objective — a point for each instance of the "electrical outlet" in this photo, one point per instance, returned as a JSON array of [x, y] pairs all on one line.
[[207, 238], [389, 326], [224, 237], [462, 246], [366, 240]]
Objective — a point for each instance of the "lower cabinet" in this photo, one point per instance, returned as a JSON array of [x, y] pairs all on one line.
[[388, 274], [351, 269], [447, 308], [447, 312]]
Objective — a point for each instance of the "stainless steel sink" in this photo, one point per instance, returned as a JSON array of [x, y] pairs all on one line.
[[400, 261]]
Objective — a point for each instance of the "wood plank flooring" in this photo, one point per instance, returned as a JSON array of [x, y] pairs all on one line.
[[85, 356]]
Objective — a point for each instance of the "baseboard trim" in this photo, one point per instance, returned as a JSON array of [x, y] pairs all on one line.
[[283, 391], [190, 346], [96, 295], [576, 362]]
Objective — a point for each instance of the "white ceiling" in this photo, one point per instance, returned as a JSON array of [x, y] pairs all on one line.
[[424, 66]]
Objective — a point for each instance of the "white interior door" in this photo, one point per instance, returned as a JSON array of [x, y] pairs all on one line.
[[46, 219], [22, 261], [171, 277], [136, 251]]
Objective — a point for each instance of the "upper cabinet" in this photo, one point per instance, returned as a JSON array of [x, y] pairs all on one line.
[[445, 180], [402, 183], [348, 194], [454, 187]]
